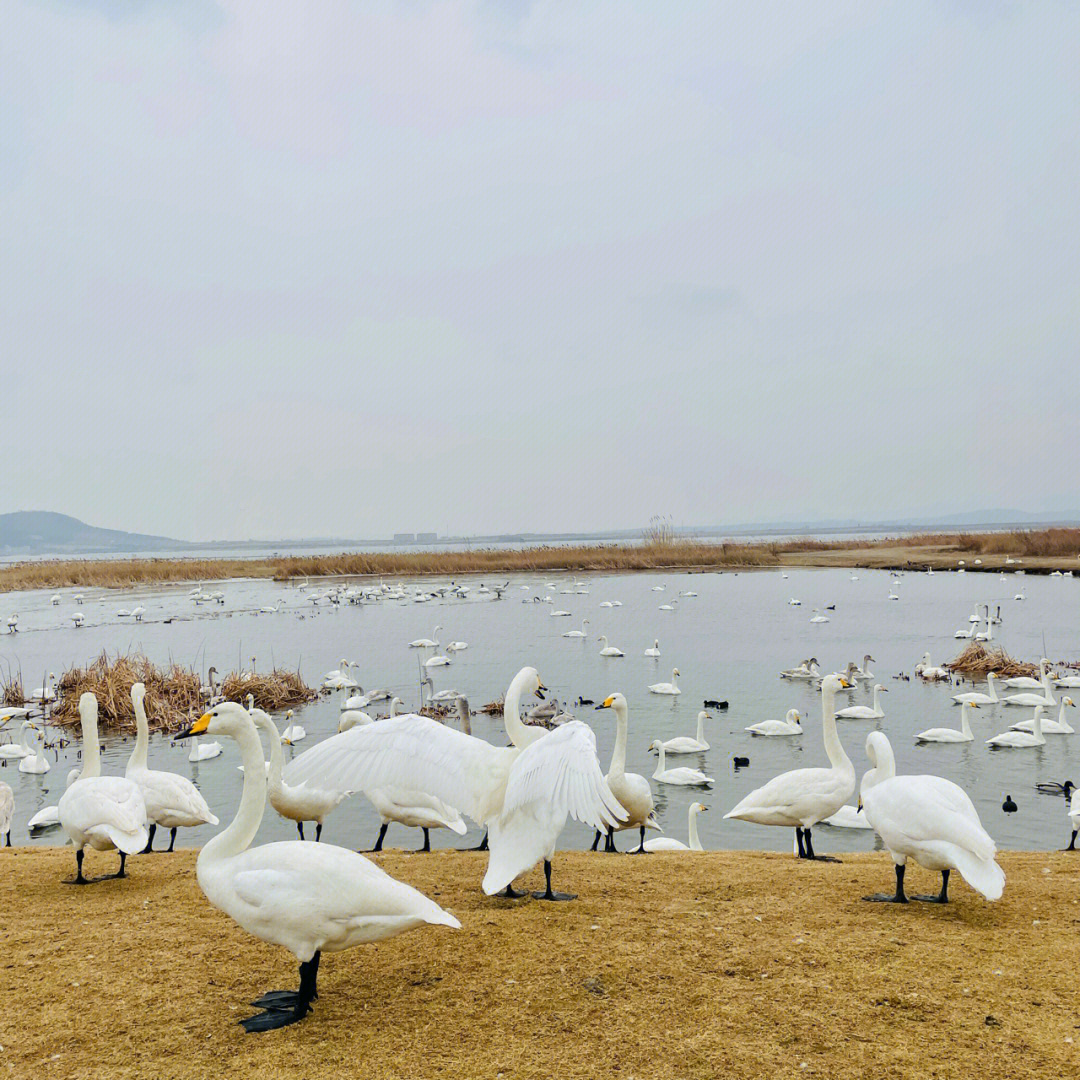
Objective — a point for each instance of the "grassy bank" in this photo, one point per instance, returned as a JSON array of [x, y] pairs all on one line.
[[1040, 551], [669, 966]]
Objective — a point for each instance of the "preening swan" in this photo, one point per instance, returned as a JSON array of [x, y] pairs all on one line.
[[803, 797], [631, 789], [172, 801], [522, 793], [98, 811], [684, 744], [682, 775], [655, 650], [944, 734], [666, 687], [1060, 726], [310, 898], [790, 725], [667, 843], [931, 820], [609, 650], [989, 698], [865, 712]]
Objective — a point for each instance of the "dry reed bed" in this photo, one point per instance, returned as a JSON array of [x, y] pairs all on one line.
[[173, 694], [673, 967], [977, 661]]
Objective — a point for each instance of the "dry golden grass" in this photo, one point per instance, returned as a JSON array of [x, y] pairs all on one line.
[[978, 660], [172, 693], [672, 966], [1042, 550]]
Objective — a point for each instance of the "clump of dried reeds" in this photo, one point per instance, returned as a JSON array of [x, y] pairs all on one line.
[[13, 694], [978, 661], [492, 708], [173, 694]]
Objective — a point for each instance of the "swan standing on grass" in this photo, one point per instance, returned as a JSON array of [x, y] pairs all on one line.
[[522, 793], [666, 687], [667, 843], [7, 809], [931, 820], [1021, 740], [631, 789], [609, 650], [1072, 811], [98, 811], [684, 744], [865, 712], [682, 775], [951, 735], [172, 801], [310, 898], [297, 804], [790, 725], [803, 797], [1060, 726], [989, 698]]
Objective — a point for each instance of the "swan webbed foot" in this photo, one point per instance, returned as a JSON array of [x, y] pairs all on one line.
[[119, 873], [276, 1018], [550, 895], [937, 899], [596, 841], [278, 999], [149, 840], [943, 896], [886, 898], [510, 893], [482, 846], [823, 858], [1072, 843], [806, 849]]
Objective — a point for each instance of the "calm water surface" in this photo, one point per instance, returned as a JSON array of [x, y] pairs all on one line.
[[729, 642]]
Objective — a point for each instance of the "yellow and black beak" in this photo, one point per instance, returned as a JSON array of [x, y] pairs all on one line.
[[607, 702], [844, 683], [859, 807], [541, 689], [197, 728]]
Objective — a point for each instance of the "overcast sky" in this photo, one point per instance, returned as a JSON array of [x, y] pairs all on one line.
[[279, 269]]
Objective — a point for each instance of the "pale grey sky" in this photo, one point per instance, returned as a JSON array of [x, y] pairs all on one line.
[[274, 269]]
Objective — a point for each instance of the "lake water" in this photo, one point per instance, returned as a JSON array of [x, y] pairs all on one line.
[[729, 642]]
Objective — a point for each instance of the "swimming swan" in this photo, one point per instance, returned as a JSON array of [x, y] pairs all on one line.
[[522, 793], [667, 843], [682, 775], [989, 698], [98, 811], [1021, 740], [609, 650], [790, 725], [931, 820], [631, 789], [865, 712], [1060, 726], [666, 687], [951, 735], [310, 898], [171, 800], [926, 670], [684, 744], [803, 797], [655, 650]]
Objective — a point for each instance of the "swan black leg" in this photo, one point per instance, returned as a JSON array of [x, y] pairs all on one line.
[[300, 829], [799, 841], [78, 879], [149, 840], [942, 897], [482, 846], [510, 893], [898, 897], [427, 839], [1072, 843], [595, 843], [547, 894], [284, 1007], [609, 842], [9, 837], [640, 849], [810, 850], [382, 834], [318, 831], [172, 838], [120, 873]]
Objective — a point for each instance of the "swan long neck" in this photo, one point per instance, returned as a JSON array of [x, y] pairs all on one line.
[[991, 680], [91, 765], [142, 736], [700, 727], [674, 673], [695, 843], [515, 729], [277, 755], [241, 830], [833, 746], [618, 755], [877, 703], [965, 719], [660, 765]]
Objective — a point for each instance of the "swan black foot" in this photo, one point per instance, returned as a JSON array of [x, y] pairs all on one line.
[[548, 894], [318, 832], [149, 841], [78, 879], [172, 839], [119, 873], [1072, 843], [378, 843], [284, 1007], [640, 849], [427, 841], [482, 846], [596, 841], [510, 893], [898, 897], [942, 897], [806, 849]]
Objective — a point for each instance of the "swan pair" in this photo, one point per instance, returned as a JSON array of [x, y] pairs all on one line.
[[1060, 726], [309, 898], [926, 670], [931, 820]]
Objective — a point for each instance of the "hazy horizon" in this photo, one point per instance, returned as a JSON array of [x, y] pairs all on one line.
[[347, 270]]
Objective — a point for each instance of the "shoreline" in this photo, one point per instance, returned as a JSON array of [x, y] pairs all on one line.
[[1035, 552], [730, 964]]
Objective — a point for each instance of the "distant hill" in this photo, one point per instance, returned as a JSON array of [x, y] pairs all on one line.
[[38, 532]]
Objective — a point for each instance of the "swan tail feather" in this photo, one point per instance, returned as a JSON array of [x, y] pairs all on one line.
[[983, 875], [129, 842]]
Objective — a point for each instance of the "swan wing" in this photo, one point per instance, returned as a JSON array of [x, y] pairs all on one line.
[[414, 752], [168, 794], [110, 804]]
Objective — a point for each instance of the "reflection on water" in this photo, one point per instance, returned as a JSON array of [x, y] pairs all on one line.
[[729, 642]]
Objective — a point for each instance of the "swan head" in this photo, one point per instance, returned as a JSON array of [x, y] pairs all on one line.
[[674, 672], [879, 688], [138, 693], [834, 682], [971, 704], [656, 744], [228, 718], [703, 715], [698, 808], [1068, 701], [614, 701], [527, 680], [88, 708]]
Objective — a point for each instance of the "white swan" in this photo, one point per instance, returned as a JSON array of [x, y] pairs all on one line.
[[457, 646], [1069, 682], [848, 817], [578, 633], [1021, 740], [951, 735], [684, 744], [1026, 682], [7, 810], [201, 751], [1030, 698], [425, 642], [969, 632], [808, 669], [310, 898], [172, 801], [21, 749], [865, 712], [790, 725], [301, 803], [926, 670], [522, 793], [682, 775], [803, 797], [559, 614], [863, 674], [655, 650], [631, 789], [293, 732], [989, 698], [35, 762], [349, 718], [437, 661], [666, 687], [817, 617], [668, 607], [928, 819], [98, 811], [667, 843], [1060, 726], [987, 634], [609, 650]]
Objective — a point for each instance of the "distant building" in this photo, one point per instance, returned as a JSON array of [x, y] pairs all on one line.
[[426, 538], [404, 538]]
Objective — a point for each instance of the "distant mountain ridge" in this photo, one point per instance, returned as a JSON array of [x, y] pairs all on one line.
[[40, 532]]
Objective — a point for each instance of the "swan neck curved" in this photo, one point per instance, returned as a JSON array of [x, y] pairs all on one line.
[[618, 755], [517, 732], [660, 764], [833, 747], [241, 830], [695, 843], [277, 755]]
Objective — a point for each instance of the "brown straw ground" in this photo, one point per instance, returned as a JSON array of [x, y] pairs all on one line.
[[724, 964]]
